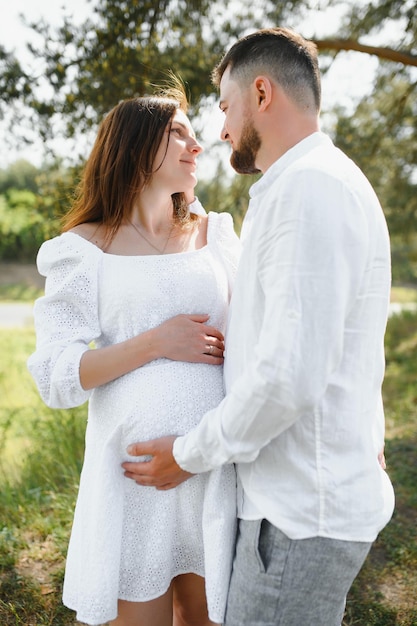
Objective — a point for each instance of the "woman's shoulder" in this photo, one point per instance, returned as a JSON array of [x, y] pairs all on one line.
[[92, 232], [70, 248]]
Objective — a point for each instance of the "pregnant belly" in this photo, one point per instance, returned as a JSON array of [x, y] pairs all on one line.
[[165, 398]]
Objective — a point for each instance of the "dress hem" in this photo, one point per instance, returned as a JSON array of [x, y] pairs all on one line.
[[212, 617]]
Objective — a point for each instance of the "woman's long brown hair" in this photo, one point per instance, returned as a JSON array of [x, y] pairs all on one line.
[[122, 160]]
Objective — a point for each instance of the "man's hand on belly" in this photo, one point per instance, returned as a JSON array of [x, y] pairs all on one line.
[[162, 471]]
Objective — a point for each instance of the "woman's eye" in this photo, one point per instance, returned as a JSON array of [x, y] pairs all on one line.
[[176, 130]]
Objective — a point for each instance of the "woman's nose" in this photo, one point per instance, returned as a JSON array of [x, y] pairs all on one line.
[[195, 147]]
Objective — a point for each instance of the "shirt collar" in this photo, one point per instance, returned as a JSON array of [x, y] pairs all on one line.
[[300, 149]]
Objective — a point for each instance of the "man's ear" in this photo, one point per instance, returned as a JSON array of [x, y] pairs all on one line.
[[263, 91]]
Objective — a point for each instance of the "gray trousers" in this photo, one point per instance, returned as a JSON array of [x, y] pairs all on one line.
[[277, 581]]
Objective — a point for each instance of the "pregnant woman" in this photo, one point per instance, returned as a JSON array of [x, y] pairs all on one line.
[[133, 320]]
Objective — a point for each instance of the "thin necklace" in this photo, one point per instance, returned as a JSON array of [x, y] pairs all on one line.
[[159, 250]]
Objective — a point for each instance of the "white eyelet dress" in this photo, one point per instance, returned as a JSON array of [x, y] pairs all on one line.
[[129, 541]]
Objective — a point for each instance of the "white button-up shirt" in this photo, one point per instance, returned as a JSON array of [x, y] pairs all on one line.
[[303, 416]]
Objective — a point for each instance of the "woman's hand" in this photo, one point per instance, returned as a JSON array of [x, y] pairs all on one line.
[[188, 338], [181, 338]]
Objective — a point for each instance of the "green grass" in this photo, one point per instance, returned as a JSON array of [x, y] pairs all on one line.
[[19, 293], [384, 594], [403, 294], [41, 454]]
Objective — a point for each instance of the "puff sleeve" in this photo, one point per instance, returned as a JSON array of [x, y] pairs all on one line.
[[196, 207], [66, 318], [227, 243]]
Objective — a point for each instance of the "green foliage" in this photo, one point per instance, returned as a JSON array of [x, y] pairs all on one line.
[[19, 175], [382, 138], [123, 50], [127, 47], [223, 194], [21, 227], [28, 218], [56, 190]]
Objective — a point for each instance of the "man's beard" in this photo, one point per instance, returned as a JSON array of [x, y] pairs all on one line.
[[243, 157]]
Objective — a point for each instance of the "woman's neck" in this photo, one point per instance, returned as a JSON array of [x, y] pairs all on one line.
[[153, 212]]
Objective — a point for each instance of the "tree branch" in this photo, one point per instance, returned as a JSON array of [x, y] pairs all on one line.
[[383, 53]]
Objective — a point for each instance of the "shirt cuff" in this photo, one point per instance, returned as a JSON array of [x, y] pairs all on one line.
[[188, 456]]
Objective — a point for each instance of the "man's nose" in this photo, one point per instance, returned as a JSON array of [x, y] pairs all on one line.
[[224, 135]]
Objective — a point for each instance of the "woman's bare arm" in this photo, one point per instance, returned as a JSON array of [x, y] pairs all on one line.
[[181, 338]]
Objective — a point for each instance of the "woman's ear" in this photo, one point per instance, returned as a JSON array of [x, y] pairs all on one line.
[[263, 89]]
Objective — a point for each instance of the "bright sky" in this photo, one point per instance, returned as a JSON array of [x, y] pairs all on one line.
[[12, 32], [347, 80]]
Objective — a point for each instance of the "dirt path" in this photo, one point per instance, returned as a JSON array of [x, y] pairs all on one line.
[[16, 314], [23, 273]]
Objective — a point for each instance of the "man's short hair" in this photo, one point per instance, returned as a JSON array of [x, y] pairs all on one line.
[[284, 55]]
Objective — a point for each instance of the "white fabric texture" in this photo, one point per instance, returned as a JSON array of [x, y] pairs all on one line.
[[304, 360], [129, 541]]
